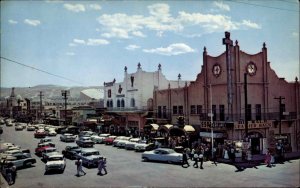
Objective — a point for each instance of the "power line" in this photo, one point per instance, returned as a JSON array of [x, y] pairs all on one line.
[[37, 69], [263, 6]]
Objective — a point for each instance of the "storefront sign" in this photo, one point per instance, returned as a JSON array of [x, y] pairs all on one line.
[[207, 125], [254, 125]]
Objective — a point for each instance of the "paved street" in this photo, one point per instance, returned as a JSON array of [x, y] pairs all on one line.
[[126, 169]]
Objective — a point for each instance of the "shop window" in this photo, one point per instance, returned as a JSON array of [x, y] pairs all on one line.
[[222, 112], [118, 103], [193, 109], [164, 112], [214, 111], [180, 110], [122, 103], [159, 112], [258, 111], [175, 110]]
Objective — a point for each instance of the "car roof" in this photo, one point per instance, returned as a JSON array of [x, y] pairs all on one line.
[[88, 150], [56, 155]]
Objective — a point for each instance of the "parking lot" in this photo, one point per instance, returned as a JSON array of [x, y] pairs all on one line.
[[125, 169]]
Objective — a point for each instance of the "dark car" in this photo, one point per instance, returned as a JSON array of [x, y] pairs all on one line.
[[71, 129], [1, 130], [70, 152]]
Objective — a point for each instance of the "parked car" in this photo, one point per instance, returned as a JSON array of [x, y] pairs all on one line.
[[131, 143], [18, 127], [40, 133], [52, 132], [89, 157], [55, 162], [109, 140], [70, 152], [71, 129], [121, 142], [85, 142], [51, 144], [19, 160], [68, 137], [30, 128], [86, 133], [47, 152], [119, 138], [162, 154], [14, 153], [144, 146], [43, 140]]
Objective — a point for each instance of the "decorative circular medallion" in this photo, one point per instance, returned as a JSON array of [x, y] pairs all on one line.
[[251, 69], [216, 70]]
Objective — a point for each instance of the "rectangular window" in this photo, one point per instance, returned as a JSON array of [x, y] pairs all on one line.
[[175, 110], [258, 111], [159, 112], [164, 112], [222, 112], [193, 109], [248, 112], [199, 109], [180, 110], [214, 111]]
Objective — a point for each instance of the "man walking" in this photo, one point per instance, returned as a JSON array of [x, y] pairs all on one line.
[[102, 166], [79, 167], [185, 159]]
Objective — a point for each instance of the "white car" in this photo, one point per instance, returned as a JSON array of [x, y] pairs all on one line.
[[52, 132], [131, 143], [56, 162], [118, 139], [162, 154], [143, 146], [67, 137], [30, 128], [97, 139]]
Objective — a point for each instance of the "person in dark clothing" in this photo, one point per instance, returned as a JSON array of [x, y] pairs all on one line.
[[195, 160], [185, 159], [201, 157], [13, 173]]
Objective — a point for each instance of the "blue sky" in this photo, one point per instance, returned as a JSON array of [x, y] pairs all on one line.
[[90, 42]]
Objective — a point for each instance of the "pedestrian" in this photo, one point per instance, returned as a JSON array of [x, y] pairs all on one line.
[[192, 154], [268, 158], [100, 165], [8, 172], [195, 159], [214, 156], [185, 159], [79, 167], [13, 173], [104, 165], [201, 157]]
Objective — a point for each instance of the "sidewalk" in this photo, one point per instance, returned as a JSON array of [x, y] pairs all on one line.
[[3, 183]]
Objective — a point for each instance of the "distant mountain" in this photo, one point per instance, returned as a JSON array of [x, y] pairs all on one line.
[[49, 91]]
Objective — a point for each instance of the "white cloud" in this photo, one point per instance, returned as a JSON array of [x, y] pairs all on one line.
[[74, 7], [54, 1], [132, 47], [72, 44], [95, 6], [138, 34], [32, 22], [221, 5], [12, 22], [250, 24], [78, 41], [70, 53], [97, 42], [173, 49], [116, 32]]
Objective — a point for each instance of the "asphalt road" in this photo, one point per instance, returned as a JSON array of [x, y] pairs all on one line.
[[125, 169]]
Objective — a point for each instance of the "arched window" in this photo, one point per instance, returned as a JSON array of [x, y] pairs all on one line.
[[107, 104], [118, 103], [122, 103], [111, 104], [132, 102]]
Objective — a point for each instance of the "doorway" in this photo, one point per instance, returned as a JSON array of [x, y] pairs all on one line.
[[255, 138]]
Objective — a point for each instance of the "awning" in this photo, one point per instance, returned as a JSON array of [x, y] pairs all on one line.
[[154, 126], [189, 128], [165, 127]]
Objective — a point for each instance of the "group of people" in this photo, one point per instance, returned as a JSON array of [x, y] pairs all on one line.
[[101, 166], [10, 171]]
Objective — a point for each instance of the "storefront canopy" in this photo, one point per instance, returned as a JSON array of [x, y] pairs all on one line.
[[189, 128], [152, 126], [166, 127]]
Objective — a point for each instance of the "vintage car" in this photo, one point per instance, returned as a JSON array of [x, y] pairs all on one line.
[[14, 153], [43, 140], [119, 138], [42, 146], [47, 152], [121, 143], [143, 146], [131, 143], [162, 154], [40, 133], [70, 152], [99, 139], [67, 137], [55, 162], [89, 157], [85, 142], [51, 144], [19, 160], [52, 132], [19, 127], [109, 140], [70, 129], [30, 128], [86, 133]]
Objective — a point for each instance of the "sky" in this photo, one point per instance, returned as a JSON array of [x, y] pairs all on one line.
[[87, 43]]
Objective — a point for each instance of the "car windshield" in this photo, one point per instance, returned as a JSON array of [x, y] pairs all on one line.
[[55, 159]]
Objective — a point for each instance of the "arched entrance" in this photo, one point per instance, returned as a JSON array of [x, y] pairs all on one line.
[[255, 139]]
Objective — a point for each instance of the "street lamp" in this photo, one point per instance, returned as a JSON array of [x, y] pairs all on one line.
[[211, 123]]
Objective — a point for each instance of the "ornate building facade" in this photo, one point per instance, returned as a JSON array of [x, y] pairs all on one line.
[[244, 96]]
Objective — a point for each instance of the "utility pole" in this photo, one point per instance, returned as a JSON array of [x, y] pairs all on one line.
[[246, 105], [41, 104], [280, 98], [65, 94]]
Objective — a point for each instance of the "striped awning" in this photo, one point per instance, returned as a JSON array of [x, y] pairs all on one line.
[[189, 128], [154, 126]]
